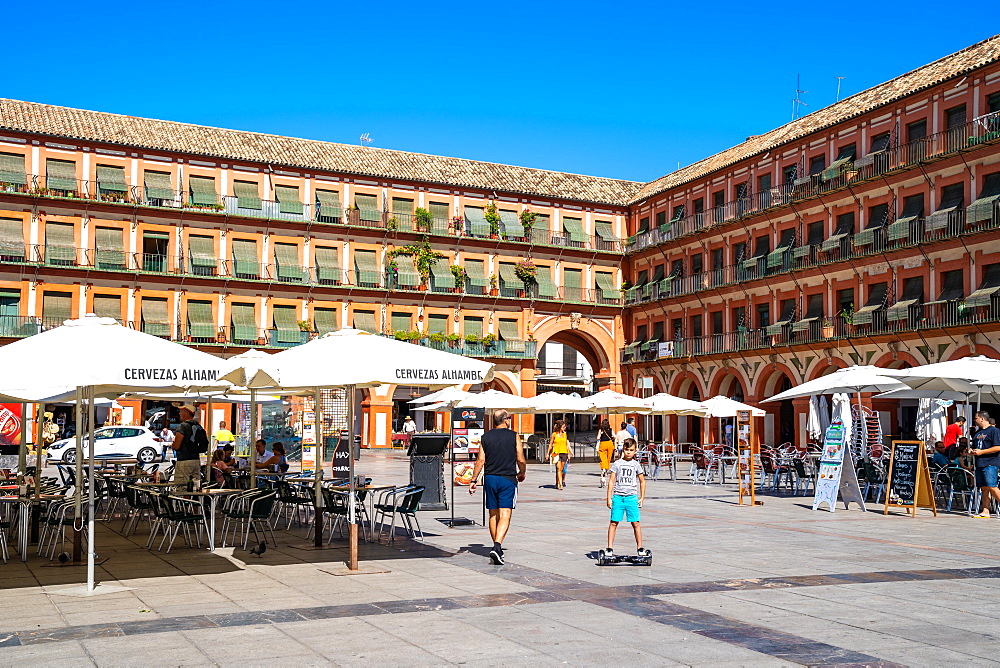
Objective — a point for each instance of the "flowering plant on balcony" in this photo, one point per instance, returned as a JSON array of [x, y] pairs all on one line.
[[489, 340], [458, 224], [493, 218], [528, 218], [422, 218], [458, 271], [526, 271]]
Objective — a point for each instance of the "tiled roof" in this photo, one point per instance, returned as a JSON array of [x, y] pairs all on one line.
[[309, 154], [956, 64]]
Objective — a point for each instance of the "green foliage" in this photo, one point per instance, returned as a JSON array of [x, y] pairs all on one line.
[[493, 218]]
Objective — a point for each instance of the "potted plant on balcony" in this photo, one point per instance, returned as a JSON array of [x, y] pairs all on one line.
[[471, 339], [494, 282], [488, 340], [848, 314], [415, 336], [493, 218], [392, 224], [401, 335], [458, 226], [422, 219], [527, 272], [453, 339], [458, 271], [827, 328], [528, 218], [436, 338], [305, 329]]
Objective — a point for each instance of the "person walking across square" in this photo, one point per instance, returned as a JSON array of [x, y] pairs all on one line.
[[190, 442], [626, 491], [502, 459]]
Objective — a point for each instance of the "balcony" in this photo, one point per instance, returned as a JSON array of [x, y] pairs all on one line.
[[891, 320], [969, 136], [212, 203]]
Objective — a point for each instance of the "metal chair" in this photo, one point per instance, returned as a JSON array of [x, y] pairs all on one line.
[[803, 479], [404, 503], [961, 483]]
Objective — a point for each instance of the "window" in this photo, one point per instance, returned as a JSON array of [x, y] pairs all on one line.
[[718, 198], [286, 257], [328, 206], [717, 322], [763, 315], [246, 262], [401, 321], [763, 183], [402, 211], [11, 240], [200, 321], [437, 323], [696, 326], [60, 243], [60, 175], [472, 326], [847, 152], [158, 187], [657, 331], [878, 216], [368, 209], [718, 259], [155, 318], [328, 266], [814, 311], [952, 198], [845, 300], [366, 272], [880, 142], [678, 213], [365, 321], [993, 103], [739, 318], [201, 253], [285, 322], [739, 250], [56, 307], [845, 223], [697, 264], [640, 332], [202, 191], [643, 225], [816, 164], [111, 180], [988, 288], [12, 169], [288, 199], [699, 206], [877, 293], [815, 233], [985, 206], [790, 173], [573, 285], [677, 327], [916, 130], [952, 285], [110, 245], [108, 306], [677, 268], [955, 117], [325, 320], [661, 219]]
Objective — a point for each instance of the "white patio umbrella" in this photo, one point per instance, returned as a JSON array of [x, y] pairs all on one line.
[[952, 376], [100, 356], [446, 395], [439, 406], [493, 400], [720, 407], [931, 421], [557, 402], [841, 410], [851, 379], [668, 404], [609, 402], [349, 359]]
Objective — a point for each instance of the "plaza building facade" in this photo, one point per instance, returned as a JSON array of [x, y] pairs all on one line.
[[865, 232]]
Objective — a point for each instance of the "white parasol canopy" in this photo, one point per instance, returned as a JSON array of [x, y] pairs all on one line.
[[252, 369], [951, 376], [851, 379], [556, 402], [446, 395], [668, 404], [493, 400], [720, 407], [438, 406], [610, 402]]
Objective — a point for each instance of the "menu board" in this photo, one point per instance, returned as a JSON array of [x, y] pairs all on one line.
[[831, 465], [909, 478]]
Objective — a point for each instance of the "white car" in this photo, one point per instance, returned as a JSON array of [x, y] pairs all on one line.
[[127, 442]]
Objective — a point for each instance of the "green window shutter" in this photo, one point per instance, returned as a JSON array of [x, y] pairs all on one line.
[[203, 190], [512, 226], [605, 231], [286, 256], [546, 288], [509, 330], [365, 321], [60, 174], [56, 307], [328, 266], [111, 178], [403, 208], [158, 185], [246, 262], [12, 169], [108, 306], [328, 202], [606, 284], [325, 320], [475, 272], [366, 268], [11, 239], [110, 248], [574, 228], [442, 280], [201, 251], [60, 243], [475, 216], [573, 278], [368, 207], [200, 323], [401, 322], [288, 199], [406, 272], [508, 277], [244, 321], [247, 194], [286, 323], [472, 325], [437, 323], [440, 217], [154, 316]]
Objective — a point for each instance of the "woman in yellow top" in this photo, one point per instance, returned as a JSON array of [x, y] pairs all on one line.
[[605, 448], [559, 451]]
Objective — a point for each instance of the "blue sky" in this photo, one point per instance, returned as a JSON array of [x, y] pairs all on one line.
[[626, 89]]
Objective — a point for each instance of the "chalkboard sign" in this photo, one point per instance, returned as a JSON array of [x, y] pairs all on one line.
[[903, 475], [909, 479], [342, 457]]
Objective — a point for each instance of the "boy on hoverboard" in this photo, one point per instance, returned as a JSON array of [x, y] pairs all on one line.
[[626, 491]]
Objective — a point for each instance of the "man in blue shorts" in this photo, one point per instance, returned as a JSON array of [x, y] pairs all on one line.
[[626, 490], [986, 448], [503, 460]]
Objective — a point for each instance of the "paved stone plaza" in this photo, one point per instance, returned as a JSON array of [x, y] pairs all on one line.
[[772, 585]]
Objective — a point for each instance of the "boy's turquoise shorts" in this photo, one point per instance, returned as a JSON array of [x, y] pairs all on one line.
[[627, 506]]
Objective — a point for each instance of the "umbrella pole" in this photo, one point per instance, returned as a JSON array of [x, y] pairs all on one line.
[[208, 455], [352, 519], [78, 496], [318, 473], [90, 502], [253, 439], [22, 448]]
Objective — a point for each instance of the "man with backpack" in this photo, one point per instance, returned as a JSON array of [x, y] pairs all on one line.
[[190, 442]]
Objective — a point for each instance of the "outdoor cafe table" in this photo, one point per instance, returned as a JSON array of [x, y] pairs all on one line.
[[346, 489], [24, 514], [212, 496]]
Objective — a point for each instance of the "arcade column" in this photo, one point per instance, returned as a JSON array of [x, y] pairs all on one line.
[[376, 426], [800, 407], [529, 388]]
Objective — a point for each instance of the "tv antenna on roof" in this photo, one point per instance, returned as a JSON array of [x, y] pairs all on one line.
[[797, 100], [366, 139], [839, 79]]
